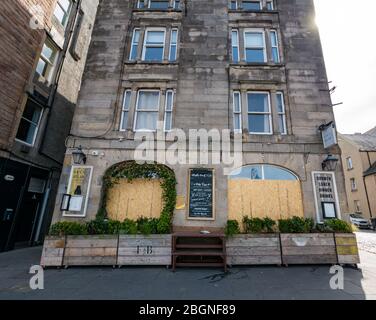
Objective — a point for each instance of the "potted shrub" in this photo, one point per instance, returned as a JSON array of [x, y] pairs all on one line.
[[259, 245]]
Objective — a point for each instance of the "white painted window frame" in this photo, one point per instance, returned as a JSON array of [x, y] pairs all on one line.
[[137, 110], [353, 184], [237, 46], [123, 109], [66, 13], [264, 44], [272, 7], [173, 45], [144, 46], [283, 113], [261, 113], [169, 111], [260, 3], [134, 43], [52, 64], [349, 163], [237, 113], [273, 31], [37, 127]]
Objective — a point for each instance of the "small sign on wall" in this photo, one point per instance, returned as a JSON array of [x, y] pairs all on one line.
[[326, 197], [329, 135], [75, 201]]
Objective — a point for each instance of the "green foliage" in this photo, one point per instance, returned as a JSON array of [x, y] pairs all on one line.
[[296, 225], [66, 228], [147, 225], [128, 227], [258, 225], [131, 170], [232, 228], [103, 226], [337, 225]]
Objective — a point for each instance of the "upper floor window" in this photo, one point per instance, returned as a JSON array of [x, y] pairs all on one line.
[[349, 163], [62, 11], [237, 109], [158, 4], [125, 110], [274, 46], [30, 121], [281, 113], [147, 110], [154, 45], [353, 184], [254, 46], [235, 45], [47, 60], [259, 113], [263, 172], [233, 5], [252, 5], [270, 5], [168, 110]]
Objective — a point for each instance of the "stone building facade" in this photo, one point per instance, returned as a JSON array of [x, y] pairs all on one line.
[[42, 56], [254, 67]]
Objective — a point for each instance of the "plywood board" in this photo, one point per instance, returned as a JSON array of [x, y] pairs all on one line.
[[131, 200], [264, 198]]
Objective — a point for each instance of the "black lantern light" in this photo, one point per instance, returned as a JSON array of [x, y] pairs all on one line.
[[330, 163], [79, 156]]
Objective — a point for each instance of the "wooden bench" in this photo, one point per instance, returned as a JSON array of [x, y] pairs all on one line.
[[193, 249]]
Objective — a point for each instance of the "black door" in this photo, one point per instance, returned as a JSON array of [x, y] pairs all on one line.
[[13, 176]]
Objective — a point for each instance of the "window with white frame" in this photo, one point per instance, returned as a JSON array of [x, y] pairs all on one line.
[[147, 110], [62, 11], [168, 110], [233, 5], [173, 45], [177, 4], [47, 60], [254, 46], [237, 110], [252, 5], [259, 113], [135, 43], [235, 45], [270, 5], [158, 4], [274, 46], [349, 163], [29, 124], [125, 110], [281, 113], [353, 184], [154, 44]]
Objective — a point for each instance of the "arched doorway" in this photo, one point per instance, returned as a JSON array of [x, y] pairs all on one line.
[[264, 190]]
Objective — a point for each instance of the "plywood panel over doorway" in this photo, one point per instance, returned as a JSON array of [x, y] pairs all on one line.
[[264, 198], [131, 200]]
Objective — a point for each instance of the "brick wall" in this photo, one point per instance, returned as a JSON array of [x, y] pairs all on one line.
[[20, 45]]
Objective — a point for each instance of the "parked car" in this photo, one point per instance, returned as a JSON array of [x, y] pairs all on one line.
[[360, 222]]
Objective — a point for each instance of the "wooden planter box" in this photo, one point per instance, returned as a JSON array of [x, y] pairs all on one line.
[[308, 248], [140, 250], [53, 251], [347, 248], [253, 249], [99, 250]]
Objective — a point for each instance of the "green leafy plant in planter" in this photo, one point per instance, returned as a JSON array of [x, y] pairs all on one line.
[[232, 228], [128, 227], [258, 225], [296, 225], [131, 170], [103, 226], [147, 226], [66, 228], [337, 225]]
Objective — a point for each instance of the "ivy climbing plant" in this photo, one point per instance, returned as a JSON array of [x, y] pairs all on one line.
[[131, 170]]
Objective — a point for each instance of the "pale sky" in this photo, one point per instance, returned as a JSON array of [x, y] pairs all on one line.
[[347, 30]]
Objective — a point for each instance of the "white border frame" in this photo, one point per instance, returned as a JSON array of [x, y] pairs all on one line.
[[65, 214], [270, 113], [276, 46], [169, 111], [280, 93], [122, 109], [132, 43], [237, 92], [164, 30], [251, 30], [136, 110], [317, 200], [237, 47], [175, 44]]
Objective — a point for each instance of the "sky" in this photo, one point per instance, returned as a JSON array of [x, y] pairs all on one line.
[[349, 44]]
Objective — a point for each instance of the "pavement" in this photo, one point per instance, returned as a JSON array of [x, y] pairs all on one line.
[[155, 283]]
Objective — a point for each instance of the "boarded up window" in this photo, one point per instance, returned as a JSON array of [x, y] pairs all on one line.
[[131, 200]]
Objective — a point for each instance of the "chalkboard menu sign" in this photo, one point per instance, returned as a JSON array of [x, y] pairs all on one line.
[[201, 193]]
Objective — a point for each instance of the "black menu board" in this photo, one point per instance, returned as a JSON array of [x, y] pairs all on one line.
[[201, 193]]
